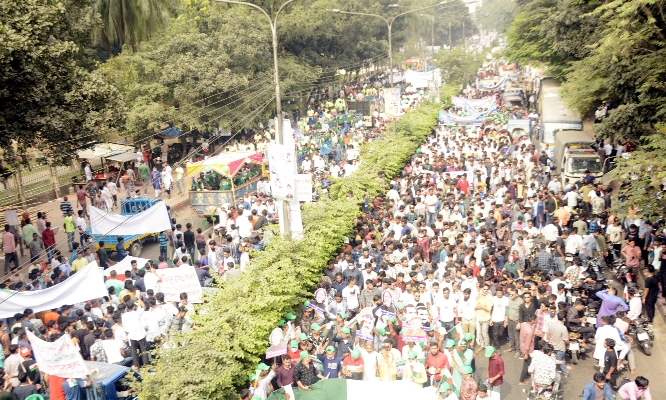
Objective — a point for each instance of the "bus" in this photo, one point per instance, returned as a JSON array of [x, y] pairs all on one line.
[[554, 115]]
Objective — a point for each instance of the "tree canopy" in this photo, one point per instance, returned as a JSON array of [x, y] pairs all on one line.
[[46, 96], [605, 53]]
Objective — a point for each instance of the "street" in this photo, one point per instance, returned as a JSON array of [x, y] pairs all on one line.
[[180, 210], [581, 374]]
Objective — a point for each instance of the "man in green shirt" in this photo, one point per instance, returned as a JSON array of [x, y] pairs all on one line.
[[27, 232], [144, 173], [69, 228]]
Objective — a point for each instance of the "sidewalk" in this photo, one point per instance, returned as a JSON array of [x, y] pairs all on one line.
[[177, 202]]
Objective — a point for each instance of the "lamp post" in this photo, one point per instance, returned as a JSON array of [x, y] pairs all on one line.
[[435, 86], [389, 25], [278, 101]]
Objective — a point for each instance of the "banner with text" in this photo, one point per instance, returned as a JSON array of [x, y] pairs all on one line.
[[179, 280], [60, 358]]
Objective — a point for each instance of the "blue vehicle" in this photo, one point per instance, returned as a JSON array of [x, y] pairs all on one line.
[[133, 243]]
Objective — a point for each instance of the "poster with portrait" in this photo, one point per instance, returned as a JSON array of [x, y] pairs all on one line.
[[282, 168]]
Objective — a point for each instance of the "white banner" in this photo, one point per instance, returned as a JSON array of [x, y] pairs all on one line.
[[87, 284], [60, 358], [392, 106], [282, 167], [125, 265], [421, 79], [304, 187], [153, 220], [178, 280]]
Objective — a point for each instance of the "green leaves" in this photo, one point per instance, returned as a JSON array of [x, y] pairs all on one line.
[[605, 53], [234, 325], [46, 96]]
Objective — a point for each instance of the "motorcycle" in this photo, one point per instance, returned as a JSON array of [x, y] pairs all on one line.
[[550, 392], [643, 335], [574, 350]]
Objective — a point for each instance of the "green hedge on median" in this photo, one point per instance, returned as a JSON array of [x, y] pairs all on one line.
[[233, 328]]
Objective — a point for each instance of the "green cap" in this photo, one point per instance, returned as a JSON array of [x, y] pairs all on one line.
[[281, 323], [356, 353], [381, 331], [489, 351], [342, 314], [345, 330], [306, 303], [303, 355], [412, 354], [303, 336], [392, 319], [252, 378], [290, 316], [256, 397], [422, 344], [449, 343], [315, 327], [293, 344], [263, 367], [469, 337], [467, 370], [400, 305], [444, 387], [330, 348]]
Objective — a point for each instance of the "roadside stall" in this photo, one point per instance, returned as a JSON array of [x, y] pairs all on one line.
[[97, 156], [223, 179]]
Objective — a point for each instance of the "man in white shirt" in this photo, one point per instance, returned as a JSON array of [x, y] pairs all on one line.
[[499, 318], [446, 306], [635, 306], [135, 326], [573, 242], [572, 198]]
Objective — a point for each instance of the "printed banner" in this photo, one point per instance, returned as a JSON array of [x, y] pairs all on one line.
[[304, 187], [126, 265], [178, 280], [282, 167], [153, 220], [392, 107], [87, 284], [60, 358]]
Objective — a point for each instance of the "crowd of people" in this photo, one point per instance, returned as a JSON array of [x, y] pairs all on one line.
[[474, 250]]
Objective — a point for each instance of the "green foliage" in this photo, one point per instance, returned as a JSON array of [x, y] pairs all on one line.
[[458, 66], [46, 96], [645, 170], [605, 53], [129, 21], [496, 14], [233, 326]]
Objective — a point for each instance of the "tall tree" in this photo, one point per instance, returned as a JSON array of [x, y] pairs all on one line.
[[129, 21], [46, 98]]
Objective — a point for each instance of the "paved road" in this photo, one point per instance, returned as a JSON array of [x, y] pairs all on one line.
[[651, 367], [180, 210]]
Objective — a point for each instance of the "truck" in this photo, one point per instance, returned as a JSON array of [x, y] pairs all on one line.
[[554, 115], [132, 243], [574, 155]]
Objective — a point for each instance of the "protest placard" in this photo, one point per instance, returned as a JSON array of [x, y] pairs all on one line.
[[60, 358], [178, 280]]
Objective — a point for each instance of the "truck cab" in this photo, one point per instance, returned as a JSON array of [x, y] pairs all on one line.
[[574, 155]]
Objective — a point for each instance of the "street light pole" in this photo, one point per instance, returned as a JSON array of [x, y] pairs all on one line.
[[279, 139], [389, 25]]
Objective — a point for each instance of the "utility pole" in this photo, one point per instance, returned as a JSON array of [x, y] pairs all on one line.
[[18, 181], [54, 180], [449, 36]]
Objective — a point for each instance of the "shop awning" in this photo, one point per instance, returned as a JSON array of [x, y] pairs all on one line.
[[227, 164]]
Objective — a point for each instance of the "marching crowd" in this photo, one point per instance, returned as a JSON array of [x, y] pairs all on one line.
[[474, 249]]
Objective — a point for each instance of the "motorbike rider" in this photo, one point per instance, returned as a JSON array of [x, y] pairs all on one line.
[[574, 322], [544, 367]]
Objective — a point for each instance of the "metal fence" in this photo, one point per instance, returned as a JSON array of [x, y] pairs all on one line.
[[37, 181]]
